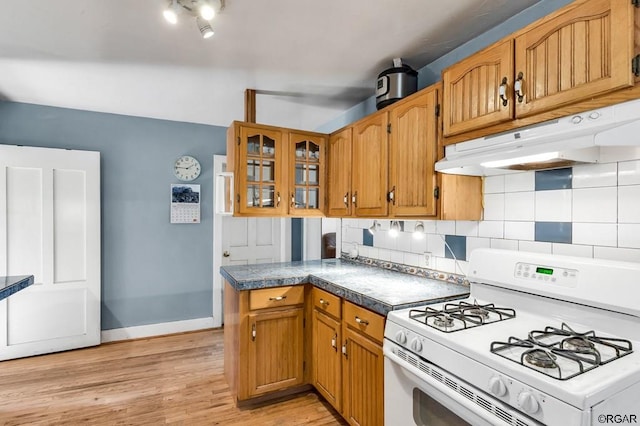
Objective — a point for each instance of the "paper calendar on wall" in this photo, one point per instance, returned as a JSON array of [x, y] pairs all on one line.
[[185, 203]]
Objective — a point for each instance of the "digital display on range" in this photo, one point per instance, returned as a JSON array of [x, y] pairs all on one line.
[[545, 271]]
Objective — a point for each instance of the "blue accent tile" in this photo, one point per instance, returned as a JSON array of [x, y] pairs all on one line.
[[458, 245], [367, 238], [554, 179], [553, 232]]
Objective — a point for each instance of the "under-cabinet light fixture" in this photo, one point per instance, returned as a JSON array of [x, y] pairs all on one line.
[[375, 227], [418, 231], [395, 229]]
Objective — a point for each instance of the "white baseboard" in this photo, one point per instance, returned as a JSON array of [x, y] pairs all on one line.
[[160, 329]]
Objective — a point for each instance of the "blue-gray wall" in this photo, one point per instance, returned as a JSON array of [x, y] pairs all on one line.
[[431, 73], [152, 271]]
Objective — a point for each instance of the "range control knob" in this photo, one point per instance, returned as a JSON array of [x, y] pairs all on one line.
[[528, 402], [416, 344], [576, 119], [497, 386], [401, 337]]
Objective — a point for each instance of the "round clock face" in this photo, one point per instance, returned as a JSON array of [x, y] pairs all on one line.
[[186, 168]]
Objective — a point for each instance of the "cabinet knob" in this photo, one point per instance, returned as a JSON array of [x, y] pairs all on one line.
[[226, 253], [517, 87], [502, 91], [362, 321], [277, 298], [346, 199], [324, 302]]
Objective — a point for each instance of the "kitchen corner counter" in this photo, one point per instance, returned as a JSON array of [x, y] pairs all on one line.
[[378, 289], [11, 285]]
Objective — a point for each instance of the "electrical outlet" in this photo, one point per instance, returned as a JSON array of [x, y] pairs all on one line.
[[428, 258]]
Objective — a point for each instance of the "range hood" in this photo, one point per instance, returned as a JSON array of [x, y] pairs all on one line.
[[599, 136]]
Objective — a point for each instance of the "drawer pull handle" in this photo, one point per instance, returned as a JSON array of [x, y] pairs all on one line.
[[324, 302], [345, 199], [277, 299], [253, 332], [362, 321], [502, 91], [517, 87], [334, 342]]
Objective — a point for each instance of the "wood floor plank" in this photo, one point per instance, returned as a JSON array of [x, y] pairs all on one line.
[[173, 380]]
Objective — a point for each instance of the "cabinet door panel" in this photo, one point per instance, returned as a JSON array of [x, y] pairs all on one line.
[[370, 166], [412, 155], [363, 380], [327, 357], [581, 53], [339, 174], [276, 351], [306, 174], [472, 90]]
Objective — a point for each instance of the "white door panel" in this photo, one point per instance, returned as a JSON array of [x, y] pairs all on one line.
[[50, 209]]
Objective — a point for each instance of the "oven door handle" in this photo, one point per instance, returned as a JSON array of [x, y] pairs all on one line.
[[420, 379]]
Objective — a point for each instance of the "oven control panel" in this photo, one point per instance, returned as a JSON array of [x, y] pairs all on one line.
[[546, 275]]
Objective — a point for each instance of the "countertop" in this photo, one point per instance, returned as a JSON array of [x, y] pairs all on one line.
[[11, 285], [378, 289]]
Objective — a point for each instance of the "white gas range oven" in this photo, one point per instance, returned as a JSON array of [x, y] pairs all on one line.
[[542, 340]]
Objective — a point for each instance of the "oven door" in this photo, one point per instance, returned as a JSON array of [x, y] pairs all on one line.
[[417, 392]]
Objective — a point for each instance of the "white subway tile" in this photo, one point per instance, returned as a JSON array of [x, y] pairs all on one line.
[[354, 235], [594, 175], [467, 228], [519, 206], [391, 241], [516, 182], [595, 205], [629, 172], [445, 265], [629, 204], [504, 244], [572, 250], [412, 259], [430, 226], [615, 253], [519, 230], [553, 206], [475, 242], [384, 254], [419, 246], [534, 246], [351, 223], [446, 227], [404, 241], [494, 207], [596, 234], [435, 245], [374, 253], [491, 229], [629, 235], [462, 267], [494, 184], [397, 256]]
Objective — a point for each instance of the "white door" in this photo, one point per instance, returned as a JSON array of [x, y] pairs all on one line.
[[242, 241], [50, 228]]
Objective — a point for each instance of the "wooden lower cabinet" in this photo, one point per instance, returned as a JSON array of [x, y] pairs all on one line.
[[363, 380], [327, 358], [264, 340]]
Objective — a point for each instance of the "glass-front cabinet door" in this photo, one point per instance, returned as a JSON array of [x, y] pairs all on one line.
[[306, 178], [260, 172]]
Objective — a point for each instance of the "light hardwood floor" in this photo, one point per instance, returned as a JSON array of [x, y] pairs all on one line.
[[176, 379]]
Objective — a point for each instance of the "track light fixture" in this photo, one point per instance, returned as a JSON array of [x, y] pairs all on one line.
[[418, 231], [202, 10], [375, 227]]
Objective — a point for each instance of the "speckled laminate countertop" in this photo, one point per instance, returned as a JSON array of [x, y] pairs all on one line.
[[378, 289], [11, 285]]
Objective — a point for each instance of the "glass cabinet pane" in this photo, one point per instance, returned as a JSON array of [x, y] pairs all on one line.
[[313, 174], [253, 145], [314, 152], [268, 170], [268, 196], [301, 174], [253, 170], [313, 198], [268, 147], [253, 196], [301, 202], [301, 150]]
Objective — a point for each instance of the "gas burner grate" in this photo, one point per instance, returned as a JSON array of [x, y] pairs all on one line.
[[460, 316], [562, 353]]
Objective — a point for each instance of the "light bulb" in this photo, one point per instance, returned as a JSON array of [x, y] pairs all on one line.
[[170, 15], [206, 12], [205, 28], [395, 229], [418, 232]]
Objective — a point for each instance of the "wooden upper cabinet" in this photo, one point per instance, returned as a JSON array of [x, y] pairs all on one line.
[[306, 174], [259, 159], [584, 52], [339, 174], [412, 155], [473, 89], [370, 150]]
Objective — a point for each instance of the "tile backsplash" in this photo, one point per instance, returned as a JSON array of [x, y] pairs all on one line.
[[589, 210]]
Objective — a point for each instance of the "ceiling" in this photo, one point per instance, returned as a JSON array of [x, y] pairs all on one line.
[[308, 60]]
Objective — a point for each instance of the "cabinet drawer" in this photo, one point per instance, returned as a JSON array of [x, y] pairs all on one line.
[[276, 297], [363, 320], [326, 302]]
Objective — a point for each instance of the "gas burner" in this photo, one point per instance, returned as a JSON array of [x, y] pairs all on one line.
[[460, 316], [562, 353], [541, 358], [443, 321], [578, 344]]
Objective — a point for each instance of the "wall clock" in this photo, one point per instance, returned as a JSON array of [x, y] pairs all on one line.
[[186, 168]]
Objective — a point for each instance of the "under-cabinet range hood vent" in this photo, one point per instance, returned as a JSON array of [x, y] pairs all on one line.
[[603, 135]]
